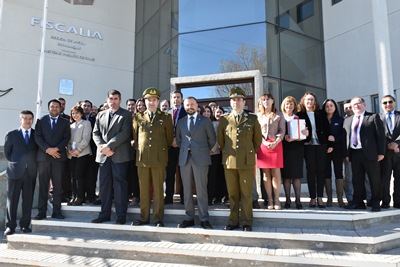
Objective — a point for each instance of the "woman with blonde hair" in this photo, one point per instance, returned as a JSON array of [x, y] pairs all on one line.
[[293, 155], [270, 154]]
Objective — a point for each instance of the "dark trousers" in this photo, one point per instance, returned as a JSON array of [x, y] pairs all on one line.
[[173, 157], [14, 188], [67, 185], [216, 186], [315, 157], [337, 160], [113, 175], [133, 179], [391, 163], [77, 167], [360, 165], [55, 169], [91, 171]]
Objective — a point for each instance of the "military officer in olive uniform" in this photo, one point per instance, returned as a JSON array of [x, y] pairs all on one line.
[[153, 134], [239, 136]]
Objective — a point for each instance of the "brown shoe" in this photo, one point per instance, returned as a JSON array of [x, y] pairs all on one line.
[[78, 202]]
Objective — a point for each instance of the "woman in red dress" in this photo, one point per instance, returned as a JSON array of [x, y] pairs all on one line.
[[270, 154]]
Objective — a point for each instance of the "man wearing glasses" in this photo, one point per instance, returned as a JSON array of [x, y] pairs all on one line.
[[366, 148], [391, 162]]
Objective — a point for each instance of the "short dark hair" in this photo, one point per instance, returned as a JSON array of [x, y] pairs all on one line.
[[392, 97], [191, 97], [80, 110], [88, 101], [130, 99], [26, 112], [347, 101], [114, 92], [62, 99], [177, 92], [53, 100]]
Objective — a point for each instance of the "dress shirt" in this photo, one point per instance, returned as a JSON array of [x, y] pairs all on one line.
[[23, 132], [358, 130]]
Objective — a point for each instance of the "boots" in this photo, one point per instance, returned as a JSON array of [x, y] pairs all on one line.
[[328, 188], [339, 192]]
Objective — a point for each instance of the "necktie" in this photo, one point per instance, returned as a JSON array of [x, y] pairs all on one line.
[[175, 115], [26, 137], [389, 122], [53, 125], [191, 124], [151, 116], [354, 134], [238, 119]]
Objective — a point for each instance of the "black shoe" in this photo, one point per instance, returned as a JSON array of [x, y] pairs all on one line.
[[121, 220], [321, 206], [376, 208], [385, 206], [159, 224], [206, 225], [139, 222], [299, 206], [369, 203], [210, 203], [230, 227], [186, 223], [9, 231], [40, 217], [100, 220], [96, 202], [287, 204], [168, 201], [256, 205], [247, 228], [26, 230], [355, 207], [396, 205], [58, 216]]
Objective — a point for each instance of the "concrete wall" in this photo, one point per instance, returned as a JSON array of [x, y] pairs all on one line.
[[95, 64], [350, 50]]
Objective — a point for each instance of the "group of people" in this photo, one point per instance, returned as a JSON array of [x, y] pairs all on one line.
[[214, 154]]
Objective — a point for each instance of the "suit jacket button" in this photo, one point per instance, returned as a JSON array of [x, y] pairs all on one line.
[[151, 131], [150, 138], [149, 145], [237, 146]]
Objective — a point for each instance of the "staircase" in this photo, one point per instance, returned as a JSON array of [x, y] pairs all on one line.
[[309, 237]]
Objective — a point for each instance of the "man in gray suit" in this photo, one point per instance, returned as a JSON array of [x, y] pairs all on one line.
[[195, 136], [112, 134]]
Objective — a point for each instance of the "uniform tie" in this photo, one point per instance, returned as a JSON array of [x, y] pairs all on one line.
[[26, 137], [151, 116], [238, 119], [354, 138]]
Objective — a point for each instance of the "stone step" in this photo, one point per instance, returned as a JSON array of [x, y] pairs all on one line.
[[312, 218], [76, 250]]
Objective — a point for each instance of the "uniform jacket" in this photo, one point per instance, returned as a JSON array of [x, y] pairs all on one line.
[[152, 138], [372, 135], [20, 155], [45, 138], [116, 134], [239, 143], [200, 140]]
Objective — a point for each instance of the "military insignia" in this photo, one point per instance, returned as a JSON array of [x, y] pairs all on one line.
[[158, 112], [152, 91]]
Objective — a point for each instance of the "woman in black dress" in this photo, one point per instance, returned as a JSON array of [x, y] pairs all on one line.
[[293, 153]]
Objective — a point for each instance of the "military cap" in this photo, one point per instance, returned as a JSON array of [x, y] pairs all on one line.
[[151, 91], [237, 92]]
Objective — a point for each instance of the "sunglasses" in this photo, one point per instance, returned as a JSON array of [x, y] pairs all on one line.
[[387, 102]]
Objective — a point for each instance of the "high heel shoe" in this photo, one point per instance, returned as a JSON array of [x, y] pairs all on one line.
[[287, 204], [298, 205], [277, 204], [312, 203], [270, 205], [322, 206]]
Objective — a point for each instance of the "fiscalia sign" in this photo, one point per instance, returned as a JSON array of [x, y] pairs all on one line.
[[62, 27]]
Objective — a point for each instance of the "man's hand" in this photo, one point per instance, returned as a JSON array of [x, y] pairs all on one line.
[[174, 143], [53, 151], [392, 146], [380, 157]]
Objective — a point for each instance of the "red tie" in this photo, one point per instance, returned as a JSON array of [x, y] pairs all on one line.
[[175, 115]]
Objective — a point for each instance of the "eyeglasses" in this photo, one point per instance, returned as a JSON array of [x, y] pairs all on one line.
[[387, 102]]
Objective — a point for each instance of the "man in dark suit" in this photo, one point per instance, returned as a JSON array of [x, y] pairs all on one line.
[[93, 166], [52, 136], [20, 150], [366, 147], [391, 162], [66, 182], [112, 134], [177, 112], [153, 134], [195, 137]]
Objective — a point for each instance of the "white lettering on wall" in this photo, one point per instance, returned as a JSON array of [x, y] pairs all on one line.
[[62, 27]]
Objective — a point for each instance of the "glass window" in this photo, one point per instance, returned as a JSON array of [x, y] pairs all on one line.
[[215, 91], [223, 50], [298, 90], [271, 10], [195, 15], [375, 103], [302, 59], [305, 10], [334, 2], [304, 16], [273, 62]]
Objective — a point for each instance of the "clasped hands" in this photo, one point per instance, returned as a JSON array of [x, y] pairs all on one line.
[[106, 150], [53, 151]]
